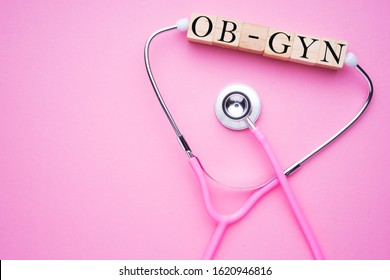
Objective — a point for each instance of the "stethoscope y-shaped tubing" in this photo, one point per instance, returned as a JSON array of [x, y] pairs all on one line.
[[223, 221], [291, 168]]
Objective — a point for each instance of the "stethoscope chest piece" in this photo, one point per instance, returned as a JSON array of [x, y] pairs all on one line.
[[235, 103]]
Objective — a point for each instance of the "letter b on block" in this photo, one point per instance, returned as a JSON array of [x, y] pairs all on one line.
[[201, 29], [227, 33]]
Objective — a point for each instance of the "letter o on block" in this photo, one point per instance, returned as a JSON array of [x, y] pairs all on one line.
[[201, 29]]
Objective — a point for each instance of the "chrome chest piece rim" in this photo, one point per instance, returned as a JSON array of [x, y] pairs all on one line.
[[235, 103]]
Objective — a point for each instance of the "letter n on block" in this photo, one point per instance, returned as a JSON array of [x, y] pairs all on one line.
[[332, 53], [201, 28]]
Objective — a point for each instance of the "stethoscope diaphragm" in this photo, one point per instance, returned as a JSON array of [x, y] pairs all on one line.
[[235, 103]]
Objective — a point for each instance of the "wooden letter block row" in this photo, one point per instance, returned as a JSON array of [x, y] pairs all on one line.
[[267, 41]]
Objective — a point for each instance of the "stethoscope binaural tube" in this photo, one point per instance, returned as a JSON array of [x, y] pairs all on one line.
[[180, 137], [224, 220]]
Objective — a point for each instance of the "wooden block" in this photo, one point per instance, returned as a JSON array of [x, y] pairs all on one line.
[[253, 38], [305, 49], [279, 44], [201, 28], [332, 53], [227, 33]]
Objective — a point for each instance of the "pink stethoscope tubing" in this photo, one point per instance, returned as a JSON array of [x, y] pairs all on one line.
[[223, 221]]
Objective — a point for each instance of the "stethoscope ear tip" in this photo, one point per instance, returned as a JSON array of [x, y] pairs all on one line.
[[235, 104], [351, 60], [182, 24]]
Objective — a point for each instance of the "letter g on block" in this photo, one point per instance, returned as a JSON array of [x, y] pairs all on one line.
[[279, 44]]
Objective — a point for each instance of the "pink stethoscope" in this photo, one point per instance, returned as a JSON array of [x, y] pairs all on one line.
[[238, 107]]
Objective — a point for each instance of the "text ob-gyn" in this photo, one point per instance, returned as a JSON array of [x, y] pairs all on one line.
[[270, 42]]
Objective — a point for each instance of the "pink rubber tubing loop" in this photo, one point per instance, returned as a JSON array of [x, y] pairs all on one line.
[[223, 221]]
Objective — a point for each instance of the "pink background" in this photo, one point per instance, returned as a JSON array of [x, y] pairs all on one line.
[[90, 167]]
